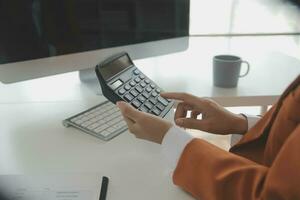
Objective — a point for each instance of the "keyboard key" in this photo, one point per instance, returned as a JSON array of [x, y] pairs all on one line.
[[157, 90], [101, 128], [123, 123], [105, 133], [93, 126], [86, 124], [147, 81], [119, 126], [78, 121], [163, 101], [111, 129], [128, 97], [111, 122], [85, 118], [92, 120]]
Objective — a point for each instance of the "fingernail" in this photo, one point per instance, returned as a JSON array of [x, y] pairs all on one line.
[[179, 122]]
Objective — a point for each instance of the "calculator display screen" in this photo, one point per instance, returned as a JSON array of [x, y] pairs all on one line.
[[112, 68]]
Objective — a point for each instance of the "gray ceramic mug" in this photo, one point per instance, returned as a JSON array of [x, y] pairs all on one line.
[[226, 70]]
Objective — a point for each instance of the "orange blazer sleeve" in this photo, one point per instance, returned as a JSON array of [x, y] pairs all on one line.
[[210, 173]]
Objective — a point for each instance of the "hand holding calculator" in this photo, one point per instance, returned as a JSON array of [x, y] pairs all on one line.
[[121, 80]]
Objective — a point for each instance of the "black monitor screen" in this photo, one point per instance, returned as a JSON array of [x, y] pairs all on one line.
[[32, 29]]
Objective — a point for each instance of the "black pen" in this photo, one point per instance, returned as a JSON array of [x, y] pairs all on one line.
[[104, 186]]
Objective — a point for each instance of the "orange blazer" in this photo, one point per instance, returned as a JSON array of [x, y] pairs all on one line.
[[265, 164]]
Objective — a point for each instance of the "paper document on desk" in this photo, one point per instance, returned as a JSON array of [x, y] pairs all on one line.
[[66, 187]]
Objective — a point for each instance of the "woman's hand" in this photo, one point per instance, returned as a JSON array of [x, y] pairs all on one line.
[[143, 125], [215, 118]]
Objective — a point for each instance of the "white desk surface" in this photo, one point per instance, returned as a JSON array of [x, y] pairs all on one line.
[[33, 140]]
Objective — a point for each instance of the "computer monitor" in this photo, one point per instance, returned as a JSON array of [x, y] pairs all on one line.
[[46, 37]]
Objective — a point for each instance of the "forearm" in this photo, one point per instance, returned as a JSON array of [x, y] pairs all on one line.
[[245, 122]]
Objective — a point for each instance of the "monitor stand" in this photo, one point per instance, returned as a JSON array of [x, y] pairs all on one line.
[[89, 79]]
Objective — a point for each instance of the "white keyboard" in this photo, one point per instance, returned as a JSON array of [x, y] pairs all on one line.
[[103, 121]]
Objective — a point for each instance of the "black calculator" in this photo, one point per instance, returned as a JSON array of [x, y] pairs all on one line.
[[121, 80]]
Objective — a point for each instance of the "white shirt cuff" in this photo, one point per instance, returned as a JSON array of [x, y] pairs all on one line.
[[177, 138], [174, 143]]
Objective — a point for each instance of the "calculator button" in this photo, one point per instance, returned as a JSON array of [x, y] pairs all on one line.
[[127, 87], [121, 91], [139, 89], [136, 72], [163, 101], [148, 105], [156, 111], [160, 106], [154, 94], [143, 109], [141, 98], [142, 76], [148, 89], [153, 100], [146, 95], [136, 103], [152, 85], [147, 81], [134, 93], [137, 79], [128, 97], [143, 84], [157, 90], [132, 83]]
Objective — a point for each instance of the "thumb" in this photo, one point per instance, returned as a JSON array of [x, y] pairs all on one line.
[[128, 111], [191, 123]]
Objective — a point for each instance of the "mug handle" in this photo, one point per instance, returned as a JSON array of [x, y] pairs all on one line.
[[248, 69]]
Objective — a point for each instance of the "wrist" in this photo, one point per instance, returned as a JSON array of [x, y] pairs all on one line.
[[241, 124], [166, 128]]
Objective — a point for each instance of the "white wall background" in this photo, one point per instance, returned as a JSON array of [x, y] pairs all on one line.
[[243, 17]]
